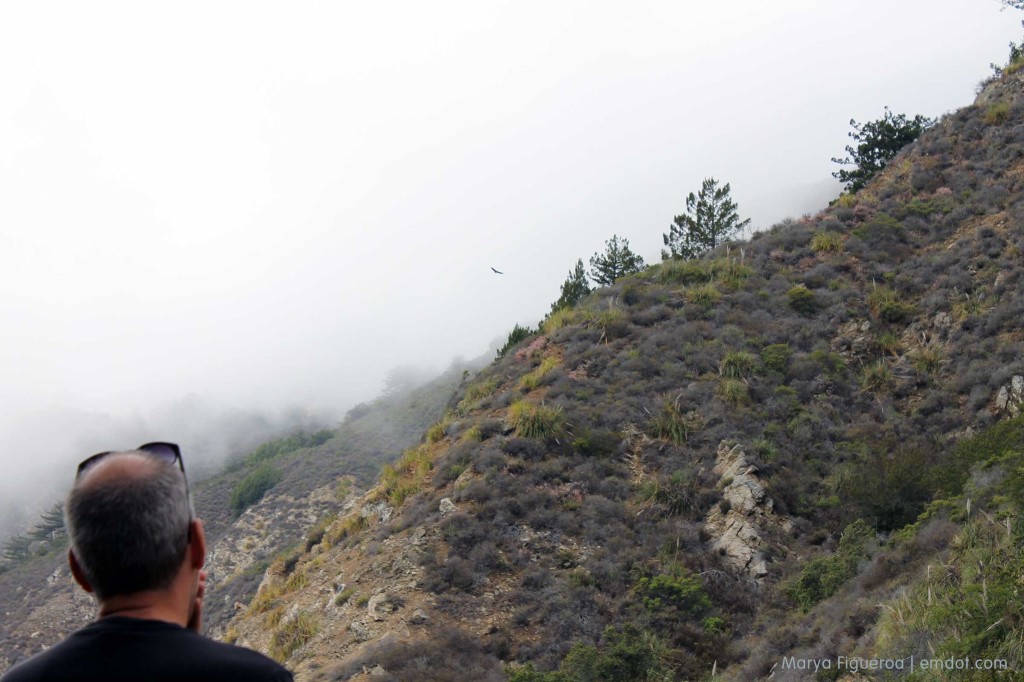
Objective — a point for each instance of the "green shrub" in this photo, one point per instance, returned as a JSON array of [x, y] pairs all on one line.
[[533, 379], [970, 306], [734, 391], [628, 654], [845, 200], [888, 342], [715, 625], [612, 322], [730, 272], [703, 294], [277, 448], [678, 494], [515, 336], [823, 576], [765, 448], [927, 360], [475, 392], [254, 486], [886, 305], [481, 389], [672, 425], [581, 577], [776, 357], [596, 443], [435, 432], [534, 421], [988, 446], [831, 363], [678, 590], [17, 548], [684, 272], [561, 318], [827, 242], [738, 365], [401, 492], [802, 300], [876, 376], [967, 605], [925, 208]]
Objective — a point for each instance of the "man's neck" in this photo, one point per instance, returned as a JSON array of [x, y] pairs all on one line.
[[145, 606]]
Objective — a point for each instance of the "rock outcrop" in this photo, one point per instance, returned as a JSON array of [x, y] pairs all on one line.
[[738, 524], [1010, 396]]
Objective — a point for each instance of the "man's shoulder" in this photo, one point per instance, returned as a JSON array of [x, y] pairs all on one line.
[[115, 649], [234, 657]]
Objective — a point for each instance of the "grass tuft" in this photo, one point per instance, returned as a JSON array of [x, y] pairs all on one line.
[[533, 379], [295, 632], [827, 242], [534, 421]]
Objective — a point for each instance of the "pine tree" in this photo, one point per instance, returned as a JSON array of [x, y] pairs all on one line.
[[574, 288], [51, 521], [616, 261], [710, 219], [877, 143], [16, 548]]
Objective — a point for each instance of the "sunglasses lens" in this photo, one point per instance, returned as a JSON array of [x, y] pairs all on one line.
[[165, 451], [84, 466], [168, 452]]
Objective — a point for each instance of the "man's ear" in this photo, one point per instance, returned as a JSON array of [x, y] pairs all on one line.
[[197, 545], [77, 572]]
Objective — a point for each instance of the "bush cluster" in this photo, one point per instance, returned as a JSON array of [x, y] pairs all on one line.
[[254, 486]]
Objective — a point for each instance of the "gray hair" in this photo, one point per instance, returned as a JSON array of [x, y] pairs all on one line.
[[130, 534]]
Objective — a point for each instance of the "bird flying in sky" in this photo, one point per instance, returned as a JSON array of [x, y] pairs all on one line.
[[497, 271]]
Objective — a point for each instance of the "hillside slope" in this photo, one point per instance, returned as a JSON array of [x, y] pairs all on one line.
[[714, 465]]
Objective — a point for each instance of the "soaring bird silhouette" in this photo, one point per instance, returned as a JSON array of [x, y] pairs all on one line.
[[497, 271]]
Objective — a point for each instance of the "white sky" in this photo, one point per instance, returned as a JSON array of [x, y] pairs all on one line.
[[270, 204]]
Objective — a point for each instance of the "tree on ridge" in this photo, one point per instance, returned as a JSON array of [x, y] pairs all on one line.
[[710, 220], [877, 143], [617, 260], [574, 288]]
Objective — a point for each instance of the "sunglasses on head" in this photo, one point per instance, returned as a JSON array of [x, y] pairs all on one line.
[[168, 452]]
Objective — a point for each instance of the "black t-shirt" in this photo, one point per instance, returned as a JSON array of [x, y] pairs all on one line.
[[118, 649]]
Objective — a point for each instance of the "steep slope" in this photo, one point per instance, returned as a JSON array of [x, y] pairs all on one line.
[[687, 474]]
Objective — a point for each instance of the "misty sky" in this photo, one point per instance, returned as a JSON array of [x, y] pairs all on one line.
[[265, 206]]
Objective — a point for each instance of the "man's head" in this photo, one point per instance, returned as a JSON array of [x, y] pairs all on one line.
[[129, 518]]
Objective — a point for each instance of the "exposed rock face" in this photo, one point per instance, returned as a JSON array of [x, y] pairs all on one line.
[[854, 340], [1010, 396], [383, 603], [263, 529], [748, 510]]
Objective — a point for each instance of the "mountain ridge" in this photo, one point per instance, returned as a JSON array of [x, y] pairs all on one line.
[[569, 489]]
